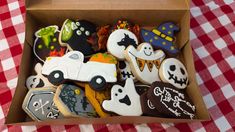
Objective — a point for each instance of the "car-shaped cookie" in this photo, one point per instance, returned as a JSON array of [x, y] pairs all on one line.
[[71, 67]]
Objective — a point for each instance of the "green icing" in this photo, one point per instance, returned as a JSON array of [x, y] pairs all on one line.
[[46, 34], [67, 30]]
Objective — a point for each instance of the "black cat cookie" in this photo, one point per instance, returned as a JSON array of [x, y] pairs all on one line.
[[46, 43], [79, 35], [72, 102], [170, 101], [39, 104]]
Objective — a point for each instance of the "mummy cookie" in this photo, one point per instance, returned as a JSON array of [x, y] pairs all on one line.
[[144, 62], [174, 72], [125, 71], [170, 101], [39, 104], [72, 67], [162, 37], [78, 35], [72, 102], [124, 101], [38, 81], [119, 40], [46, 43]]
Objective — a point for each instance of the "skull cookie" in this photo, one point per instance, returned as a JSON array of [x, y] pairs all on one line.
[[174, 72], [144, 62], [36, 81], [125, 71], [39, 104], [124, 100]]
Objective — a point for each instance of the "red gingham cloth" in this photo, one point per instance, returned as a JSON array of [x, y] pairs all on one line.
[[212, 36]]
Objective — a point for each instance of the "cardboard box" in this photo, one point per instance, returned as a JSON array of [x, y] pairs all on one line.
[[147, 13]]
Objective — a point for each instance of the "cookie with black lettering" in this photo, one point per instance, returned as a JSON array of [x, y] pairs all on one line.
[[46, 43], [170, 101], [39, 104]]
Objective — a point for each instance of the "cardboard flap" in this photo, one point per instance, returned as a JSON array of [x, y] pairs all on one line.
[[108, 4]]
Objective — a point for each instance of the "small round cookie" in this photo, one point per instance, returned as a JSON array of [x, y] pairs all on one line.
[[39, 104], [173, 71], [46, 43], [119, 40], [72, 102]]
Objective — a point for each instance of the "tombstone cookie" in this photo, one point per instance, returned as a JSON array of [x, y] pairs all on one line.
[[173, 71], [72, 102], [78, 35], [144, 62], [124, 71], [170, 101], [124, 101], [119, 40], [162, 37], [38, 81], [46, 43], [39, 104]]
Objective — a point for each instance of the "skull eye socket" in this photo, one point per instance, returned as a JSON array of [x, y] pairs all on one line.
[[182, 71], [172, 67], [36, 104], [122, 65]]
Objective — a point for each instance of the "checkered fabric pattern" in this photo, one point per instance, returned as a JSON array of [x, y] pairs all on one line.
[[212, 36]]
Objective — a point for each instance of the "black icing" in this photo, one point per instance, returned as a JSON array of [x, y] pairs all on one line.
[[126, 41], [180, 81], [125, 100], [128, 74], [41, 83]]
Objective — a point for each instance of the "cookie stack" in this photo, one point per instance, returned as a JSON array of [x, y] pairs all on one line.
[[83, 70]]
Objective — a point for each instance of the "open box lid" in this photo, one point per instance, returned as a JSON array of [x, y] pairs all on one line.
[[107, 4]]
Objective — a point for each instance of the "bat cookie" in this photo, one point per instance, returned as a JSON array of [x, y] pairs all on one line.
[[72, 102], [170, 101], [162, 37], [119, 40], [124, 101], [39, 104], [144, 62], [79, 35], [124, 71], [46, 43], [38, 81], [174, 72]]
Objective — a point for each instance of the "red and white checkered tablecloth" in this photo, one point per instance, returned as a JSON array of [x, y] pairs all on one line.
[[213, 41]]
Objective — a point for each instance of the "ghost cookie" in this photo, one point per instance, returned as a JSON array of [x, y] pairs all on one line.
[[72, 102], [119, 40], [173, 71], [39, 104], [124, 101], [38, 81], [144, 62], [170, 101], [162, 37], [124, 71], [46, 43], [79, 35]]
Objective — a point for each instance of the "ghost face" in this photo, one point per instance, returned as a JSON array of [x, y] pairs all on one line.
[[34, 82], [125, 71], [147, 50], [174, 72]]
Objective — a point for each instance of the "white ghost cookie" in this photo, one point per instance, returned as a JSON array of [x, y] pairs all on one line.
[[174, 72], [119, 40], [124, 101], [36, 81], [144, 62]]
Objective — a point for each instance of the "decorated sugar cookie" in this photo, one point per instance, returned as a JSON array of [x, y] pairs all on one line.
[[173, 71], [46, 43], [144, 62], [71, 67], [119, 40], [39, 104], [162, 37], [141, 88], [38, 81], [79, 35], [72, 102], [125, 71], [170, 101], [124, 101]]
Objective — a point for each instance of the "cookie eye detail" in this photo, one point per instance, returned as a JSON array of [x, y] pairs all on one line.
[[36, 104], [116, 94], [119, 90], [87, 33], [79, 32], [122, 65], [182, 71], [145, 47], [149, 48], [172, 67], [82, 28]]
